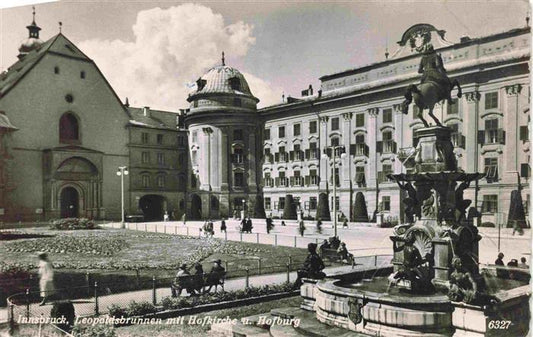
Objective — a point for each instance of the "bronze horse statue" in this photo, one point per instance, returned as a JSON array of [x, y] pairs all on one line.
[[435, 86]]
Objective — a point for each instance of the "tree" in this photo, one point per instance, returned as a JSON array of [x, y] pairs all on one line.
[[289, 211], [259, 207], [360, 213], [322, 211], [516, 211]]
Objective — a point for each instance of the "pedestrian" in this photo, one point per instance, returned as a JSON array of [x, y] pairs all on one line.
[[319, 226], [244, 224], [46, 277], [517, 228], [269, 224], [523, 263], [345, 223], [183, 218], [249, 225], [301, 227], [283, 223], [211, 228], [165, 216], [223, 226], [501, 271]]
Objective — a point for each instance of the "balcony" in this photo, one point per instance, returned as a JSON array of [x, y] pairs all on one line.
[[311, 180], [458, 140], [296, 181], [389, 146], [312, 154], [359, 149], [269, 158], [237, 158], [269, 182], [281, 182], [296, 155]]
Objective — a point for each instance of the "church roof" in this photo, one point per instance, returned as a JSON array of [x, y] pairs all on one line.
[[57, 45]]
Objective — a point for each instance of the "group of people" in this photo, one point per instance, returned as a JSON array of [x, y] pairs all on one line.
[[333, 243], [195, 283], [246, 225], [512, 271], [208, 228]]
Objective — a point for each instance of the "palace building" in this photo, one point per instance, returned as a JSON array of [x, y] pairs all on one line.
[[358, 113]]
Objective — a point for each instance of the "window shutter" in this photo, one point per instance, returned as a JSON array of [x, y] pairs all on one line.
[[291, 179], [379, 147], [276, 156], [307, 153], [501, 136], [328, 152], [481, 137], [393, 147], [307, 180], [462, 141], [291, 155], [243, 158], [366, 150], [352, 149], [276, 180]]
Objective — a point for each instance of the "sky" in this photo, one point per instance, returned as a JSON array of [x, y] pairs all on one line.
[[151, 51]]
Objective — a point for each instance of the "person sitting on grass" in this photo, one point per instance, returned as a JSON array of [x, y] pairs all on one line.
[[216, 276], [312, 267], [182, 281]]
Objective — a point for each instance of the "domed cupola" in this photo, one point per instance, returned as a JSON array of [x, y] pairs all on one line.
[[33, 41], [222, 88]]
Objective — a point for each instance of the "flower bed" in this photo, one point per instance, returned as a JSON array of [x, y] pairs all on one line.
[[95, 245], [73, 224]]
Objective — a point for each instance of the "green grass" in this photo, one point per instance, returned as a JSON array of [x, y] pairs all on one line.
[[196, 330]]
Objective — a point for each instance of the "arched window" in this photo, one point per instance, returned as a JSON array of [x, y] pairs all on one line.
[[68, 129], [145, 180], [160, 180]]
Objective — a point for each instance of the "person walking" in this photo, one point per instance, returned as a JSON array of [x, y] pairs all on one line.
[[223, 226], [269, 225], [345, 223], [319, 226], [46, 277], [301, 227]]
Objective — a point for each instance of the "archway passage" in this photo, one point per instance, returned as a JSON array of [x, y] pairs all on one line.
[[70, 202], [196, 207], [153, 207]]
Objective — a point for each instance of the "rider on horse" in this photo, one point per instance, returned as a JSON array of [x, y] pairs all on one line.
[[432, 70]]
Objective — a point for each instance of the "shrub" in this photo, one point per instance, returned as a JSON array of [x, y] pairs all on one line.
[[100, 330], [259, 208], [140, 308], [116, 311], [360, 213], [322, 211], [289, 212], [487, 224], [73, 224], [64, 309]]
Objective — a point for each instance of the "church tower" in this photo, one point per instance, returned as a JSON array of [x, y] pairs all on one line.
[[223, 145], [33, 41]]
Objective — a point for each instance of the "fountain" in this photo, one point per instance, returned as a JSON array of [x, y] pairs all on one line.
[[435, 287]]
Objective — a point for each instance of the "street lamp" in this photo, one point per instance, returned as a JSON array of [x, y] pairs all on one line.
[[334, 179], [243, 204], [121, 172]]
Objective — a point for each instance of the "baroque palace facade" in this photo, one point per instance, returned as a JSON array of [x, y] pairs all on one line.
[[64, 133]]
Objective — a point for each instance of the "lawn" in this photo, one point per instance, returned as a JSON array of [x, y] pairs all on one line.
[[197, 330], [113, 256]]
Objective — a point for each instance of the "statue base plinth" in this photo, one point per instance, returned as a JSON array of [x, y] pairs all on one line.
[[434, 150]]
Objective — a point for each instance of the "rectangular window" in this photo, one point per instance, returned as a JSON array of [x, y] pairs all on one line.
[[160, 181], [144, 138], [387, 116], [524, 170], [238, 156], [313, 127], [312, 203], [267, 203], [360, 178], [296, 129], [267, 134], [360, 139], [145, 156], [237, 134], [268, 181], [359, 120], [491, 131], [490, 203], [524, 133], [297, 152], [281, 132], [282, 154], [335, 141], [491, 169], [385, 203], [145, 181], [160, 139], [335, 123], [161, 158], [239, 179], [313, 177], [282, 179], [281, 203], [453, 109], [491, 100]]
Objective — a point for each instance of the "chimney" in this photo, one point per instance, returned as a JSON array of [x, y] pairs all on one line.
[[310, 90], [146, 111]]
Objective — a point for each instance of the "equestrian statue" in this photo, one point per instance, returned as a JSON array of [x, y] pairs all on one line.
[[435, 86]]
